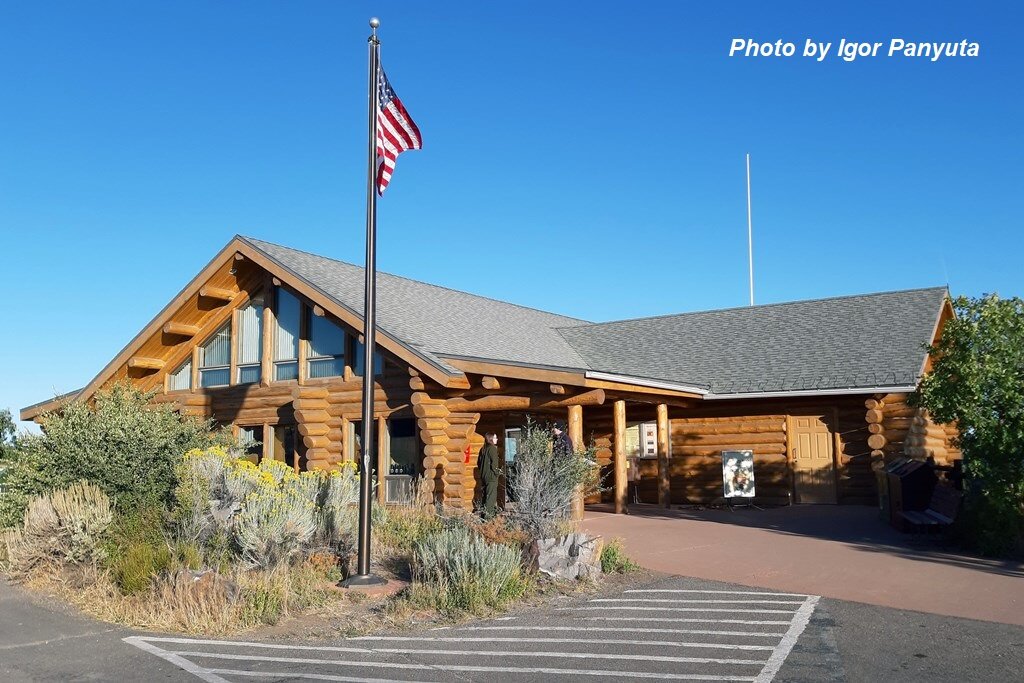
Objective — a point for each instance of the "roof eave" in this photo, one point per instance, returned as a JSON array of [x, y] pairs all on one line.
[[897, 389]]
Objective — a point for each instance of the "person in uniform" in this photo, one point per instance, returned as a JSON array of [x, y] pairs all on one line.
[[562, 445], [490, 471]]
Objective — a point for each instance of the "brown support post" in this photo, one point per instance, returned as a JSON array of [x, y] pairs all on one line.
[[233, 379], [664, 444], [619, 455], [267, 450], [269, 330], [382, 458], [195, 369], [303, 346], [575, 426]]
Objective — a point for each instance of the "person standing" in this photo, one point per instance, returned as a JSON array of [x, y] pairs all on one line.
[[562, 445], [490, 471]]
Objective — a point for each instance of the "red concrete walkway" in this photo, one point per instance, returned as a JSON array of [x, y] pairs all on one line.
[[841, 552]]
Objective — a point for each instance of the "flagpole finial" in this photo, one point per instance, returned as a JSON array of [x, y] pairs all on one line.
[[374, 23]]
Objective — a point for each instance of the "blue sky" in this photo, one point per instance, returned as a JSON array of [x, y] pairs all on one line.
[[582, 158]]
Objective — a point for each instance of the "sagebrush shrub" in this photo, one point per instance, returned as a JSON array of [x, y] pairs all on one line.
[[337, 498], [544, 483], [463, 573], [65, 525], [122, 443]]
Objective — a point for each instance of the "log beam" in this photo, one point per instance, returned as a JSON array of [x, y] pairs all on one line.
[[218, 293], [594, 397], [491, 383], [557, 389], [142, 363], [181, 329]]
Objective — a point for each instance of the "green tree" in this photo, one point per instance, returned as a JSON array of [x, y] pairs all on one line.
[[120, 442], [7, 433], [977, 379]]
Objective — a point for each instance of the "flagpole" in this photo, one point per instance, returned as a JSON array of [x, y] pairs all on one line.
[[363, 577], [750, 235]]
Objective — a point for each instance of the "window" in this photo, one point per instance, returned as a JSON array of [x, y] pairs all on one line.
[[286, 339], [360, 360], [181, 379], [215, 359], [284, 446], [251, 441], [326, 348], [250, 342], [513, 437], [402, 447]]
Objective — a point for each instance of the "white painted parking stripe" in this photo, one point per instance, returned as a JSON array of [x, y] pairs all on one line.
[[714, 592], [778, 657], [685, 620], [475, 653], [682, 601], [574, 629], [175, 659], [681, 609], [505, 669], [291, 675], [594, 641]]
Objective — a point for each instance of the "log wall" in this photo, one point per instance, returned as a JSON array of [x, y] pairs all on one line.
[[699, 434], [911, 432]]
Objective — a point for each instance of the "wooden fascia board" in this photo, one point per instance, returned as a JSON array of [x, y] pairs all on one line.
[[946, 313], [348, 316], [576, 379], [637, 389], [484, 367], [154, 327]]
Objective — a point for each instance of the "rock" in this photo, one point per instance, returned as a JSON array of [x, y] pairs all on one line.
[[205, 582], [576, 556]]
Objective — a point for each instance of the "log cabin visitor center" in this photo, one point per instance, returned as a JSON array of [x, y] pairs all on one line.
[[267, 339]]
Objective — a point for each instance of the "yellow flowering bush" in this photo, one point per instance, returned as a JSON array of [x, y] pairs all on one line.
[[269, 511], [273, 525]]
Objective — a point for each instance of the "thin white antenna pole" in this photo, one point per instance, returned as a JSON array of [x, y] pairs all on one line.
[[750, 235]]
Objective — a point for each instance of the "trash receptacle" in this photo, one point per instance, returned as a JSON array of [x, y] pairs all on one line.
[[911, 483]]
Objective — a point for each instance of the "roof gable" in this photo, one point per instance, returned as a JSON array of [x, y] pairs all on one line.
[[436, 320]]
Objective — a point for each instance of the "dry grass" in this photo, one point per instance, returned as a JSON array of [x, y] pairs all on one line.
[[179, 603]]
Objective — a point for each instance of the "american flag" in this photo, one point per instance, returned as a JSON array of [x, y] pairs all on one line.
[[396, 131]]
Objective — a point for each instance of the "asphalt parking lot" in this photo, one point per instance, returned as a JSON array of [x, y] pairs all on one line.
[[684, 634], [670, 628]]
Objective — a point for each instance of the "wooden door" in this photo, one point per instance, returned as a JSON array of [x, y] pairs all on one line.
[[814, 470]]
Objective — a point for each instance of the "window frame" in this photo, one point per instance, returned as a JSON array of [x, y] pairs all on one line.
[[275, 362], [236, 341], [202, 356], [310, 358]]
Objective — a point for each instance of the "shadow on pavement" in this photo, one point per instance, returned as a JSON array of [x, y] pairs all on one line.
[[855, 526]]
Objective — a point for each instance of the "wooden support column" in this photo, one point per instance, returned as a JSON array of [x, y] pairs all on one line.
[[269, 331], [382, 459], [574, 423], [619, 455], [233, 371], [303, 346], [664, 446], [195, 368]]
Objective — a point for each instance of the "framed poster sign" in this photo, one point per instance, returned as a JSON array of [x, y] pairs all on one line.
[[738, 474]]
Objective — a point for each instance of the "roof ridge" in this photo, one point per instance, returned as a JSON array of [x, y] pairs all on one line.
[[760, 306], [250, 240]]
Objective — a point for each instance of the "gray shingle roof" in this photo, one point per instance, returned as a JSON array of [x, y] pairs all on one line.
[[437, 321], [863, 341]]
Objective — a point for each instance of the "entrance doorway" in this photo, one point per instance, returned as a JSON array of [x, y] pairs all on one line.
[[811, 444]]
